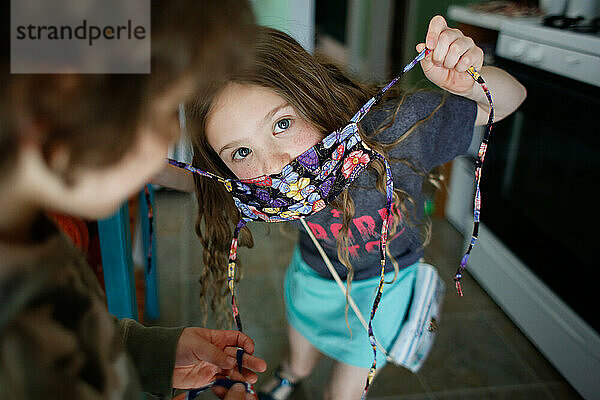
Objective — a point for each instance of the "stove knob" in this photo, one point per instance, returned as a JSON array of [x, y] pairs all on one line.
[[516, 49], [535, 55]]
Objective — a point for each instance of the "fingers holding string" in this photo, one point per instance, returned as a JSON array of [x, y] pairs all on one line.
[[458, 51], [471, 58], [250, 363], [445, 39], [426, 63], [234, 338], [463, 53]]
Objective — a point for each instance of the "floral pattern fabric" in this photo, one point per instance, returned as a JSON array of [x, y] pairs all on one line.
[[305, 185]]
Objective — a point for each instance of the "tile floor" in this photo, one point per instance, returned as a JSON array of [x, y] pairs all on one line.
[[479, 353]]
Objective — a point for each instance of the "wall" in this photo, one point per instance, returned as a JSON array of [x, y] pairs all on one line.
[[418, 15], [295, 17]]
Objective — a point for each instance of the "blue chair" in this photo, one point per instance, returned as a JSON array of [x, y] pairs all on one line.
[[117, 263]]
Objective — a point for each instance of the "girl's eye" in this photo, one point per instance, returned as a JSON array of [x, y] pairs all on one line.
[[282, 125], [241, 153]]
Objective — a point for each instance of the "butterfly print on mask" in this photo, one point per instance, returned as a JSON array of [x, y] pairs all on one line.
[[309, 160]]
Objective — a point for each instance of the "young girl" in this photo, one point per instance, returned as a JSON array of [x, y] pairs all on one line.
[[262, 119], [81, 144]]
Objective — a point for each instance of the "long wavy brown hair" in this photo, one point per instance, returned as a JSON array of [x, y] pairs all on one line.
[[325, 97]]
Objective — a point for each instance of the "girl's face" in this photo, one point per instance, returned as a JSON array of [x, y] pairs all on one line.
[[257, 132]]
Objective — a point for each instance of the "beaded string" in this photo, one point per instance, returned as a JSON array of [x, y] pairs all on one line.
[[150, 229], [231, 273], [194, 170], [231, 284], [375, 99], [382, 244], [384, 229], [232, 250], [478, 167]]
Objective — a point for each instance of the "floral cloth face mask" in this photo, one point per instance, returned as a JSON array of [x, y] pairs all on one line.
[[311, 182]]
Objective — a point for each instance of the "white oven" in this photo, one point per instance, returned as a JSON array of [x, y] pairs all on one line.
[[537, 250]]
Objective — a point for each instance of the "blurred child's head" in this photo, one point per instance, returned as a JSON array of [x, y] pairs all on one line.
[[92, 140]]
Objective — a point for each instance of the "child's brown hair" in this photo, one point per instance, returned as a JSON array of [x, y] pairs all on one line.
[[96, 115], [323, 96]]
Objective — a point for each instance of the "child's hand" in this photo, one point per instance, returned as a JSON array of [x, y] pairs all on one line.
[[452, 54], [203, 354]]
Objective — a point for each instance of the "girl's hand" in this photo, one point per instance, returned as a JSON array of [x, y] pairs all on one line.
[[452, 54]]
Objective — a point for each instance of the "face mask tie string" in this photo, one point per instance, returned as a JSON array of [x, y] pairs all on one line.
[[231, 273], [375, 99], [478, 169], [194, 170], [382, 244], [386, 221]]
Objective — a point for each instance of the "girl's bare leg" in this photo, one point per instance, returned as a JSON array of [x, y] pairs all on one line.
[[347, 382], [300, 362], [302, 357]]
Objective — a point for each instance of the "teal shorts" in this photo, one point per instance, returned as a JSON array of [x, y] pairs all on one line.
[[315, 308]]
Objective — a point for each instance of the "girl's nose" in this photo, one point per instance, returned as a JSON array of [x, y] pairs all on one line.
[[276, 161]]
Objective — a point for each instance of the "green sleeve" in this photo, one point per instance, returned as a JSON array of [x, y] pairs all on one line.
[[152, 350]]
